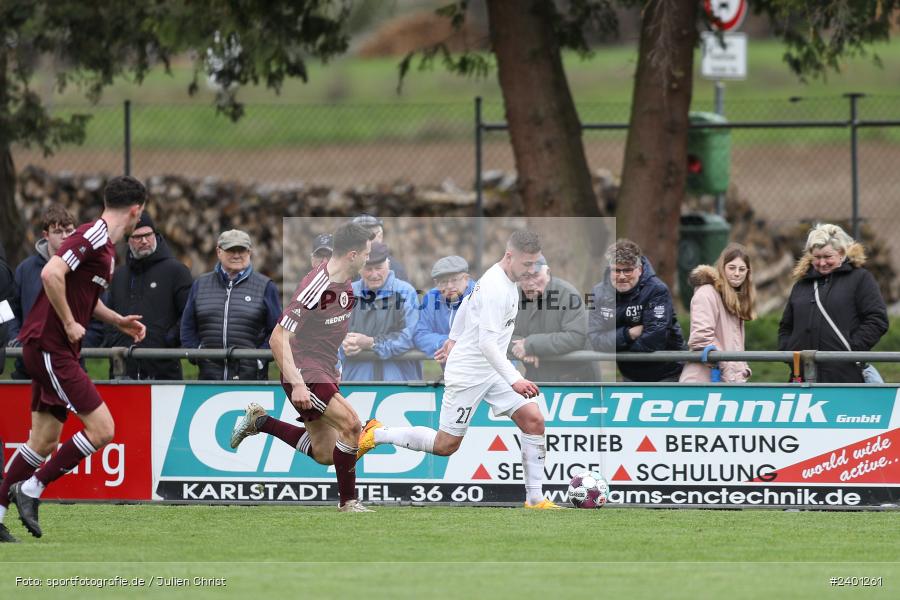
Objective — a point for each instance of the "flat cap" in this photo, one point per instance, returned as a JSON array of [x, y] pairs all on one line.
[[449, 265]]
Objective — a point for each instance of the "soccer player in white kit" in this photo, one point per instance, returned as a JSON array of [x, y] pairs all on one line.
[[477, 369]]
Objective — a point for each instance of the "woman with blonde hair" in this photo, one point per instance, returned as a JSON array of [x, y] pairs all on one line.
[[724, 298], [832, 269]]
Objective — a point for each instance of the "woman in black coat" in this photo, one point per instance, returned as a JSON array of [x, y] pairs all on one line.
[[849, 294]]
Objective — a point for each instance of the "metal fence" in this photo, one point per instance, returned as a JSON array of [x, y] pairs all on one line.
[[808, 358]]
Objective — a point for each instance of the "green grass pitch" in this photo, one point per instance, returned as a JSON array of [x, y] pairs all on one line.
[[267, 552]]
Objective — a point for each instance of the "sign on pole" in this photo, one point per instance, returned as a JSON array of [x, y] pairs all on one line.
[[724, 62], [726, 15]]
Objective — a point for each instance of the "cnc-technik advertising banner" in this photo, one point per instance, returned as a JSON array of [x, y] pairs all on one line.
[[668, 444]]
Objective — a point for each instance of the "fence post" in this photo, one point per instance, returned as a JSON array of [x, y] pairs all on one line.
[[809, 365], [854, 160], [117, 361], [479, 197], [128, 137]]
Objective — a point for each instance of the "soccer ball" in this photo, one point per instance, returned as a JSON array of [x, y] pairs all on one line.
[[588, 490]]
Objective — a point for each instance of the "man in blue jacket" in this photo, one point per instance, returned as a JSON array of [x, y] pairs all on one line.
[[632, 312], [452, 285], [383, 321]]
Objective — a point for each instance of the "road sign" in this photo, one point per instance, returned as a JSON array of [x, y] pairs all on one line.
[[729, 62], [726, 15]]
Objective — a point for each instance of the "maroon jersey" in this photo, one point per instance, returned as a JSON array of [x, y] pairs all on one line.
[[319, 317], [91, 257]]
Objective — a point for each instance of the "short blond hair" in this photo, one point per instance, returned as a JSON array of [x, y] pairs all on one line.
[[826, 234]]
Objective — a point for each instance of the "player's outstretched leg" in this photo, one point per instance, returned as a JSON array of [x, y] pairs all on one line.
[[414, 438], [256, 420]]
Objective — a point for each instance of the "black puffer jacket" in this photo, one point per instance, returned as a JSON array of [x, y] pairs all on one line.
[[157, 288], [853, 301]]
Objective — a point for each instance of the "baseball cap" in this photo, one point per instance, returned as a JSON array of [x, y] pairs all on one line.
[[449, 265], [323, 241], [234, 238], [378, 254]]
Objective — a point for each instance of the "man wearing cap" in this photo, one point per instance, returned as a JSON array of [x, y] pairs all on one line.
[[376, 226], [552, 321], [154, 284], [452, 284], [231, 307], [383, 321], [322, 249]]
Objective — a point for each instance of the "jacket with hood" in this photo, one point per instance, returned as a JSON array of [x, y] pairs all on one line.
[[157, 288], [552, 325], [435, 315], [388, 314], [713, 325], [852, 299], [648, 303], [28, 286]]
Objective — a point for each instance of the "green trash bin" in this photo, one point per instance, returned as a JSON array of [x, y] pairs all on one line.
[[709, 155], [702, 238]]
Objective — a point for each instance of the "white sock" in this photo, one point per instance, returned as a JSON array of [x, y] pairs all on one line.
[[414, 438], [33, 487], [2, 512], [534, 450]]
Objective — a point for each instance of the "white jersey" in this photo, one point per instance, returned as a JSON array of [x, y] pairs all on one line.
[[482, 329]]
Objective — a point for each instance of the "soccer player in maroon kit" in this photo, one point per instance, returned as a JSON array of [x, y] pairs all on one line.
[[73, 280], [305, 345]]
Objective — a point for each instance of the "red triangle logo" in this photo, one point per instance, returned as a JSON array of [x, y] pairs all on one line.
[[621, 474], [646, 445], [481, 473], [497, 446]]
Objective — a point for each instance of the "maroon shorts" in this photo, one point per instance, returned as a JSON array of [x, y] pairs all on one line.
[[58, 383], [322, 387]]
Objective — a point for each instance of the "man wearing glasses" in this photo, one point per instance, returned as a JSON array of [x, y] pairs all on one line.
[[632, 312], [451, 285], [154, 284], [232, 307]]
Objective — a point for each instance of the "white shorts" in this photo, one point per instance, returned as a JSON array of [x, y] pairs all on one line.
[[461, 401]]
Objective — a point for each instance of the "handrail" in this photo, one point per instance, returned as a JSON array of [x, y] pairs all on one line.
[[809, 358]]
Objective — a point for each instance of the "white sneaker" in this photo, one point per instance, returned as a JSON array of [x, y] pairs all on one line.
[[354, 506], [247, 426]]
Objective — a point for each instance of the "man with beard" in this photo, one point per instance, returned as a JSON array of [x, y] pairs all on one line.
[[152, 283]]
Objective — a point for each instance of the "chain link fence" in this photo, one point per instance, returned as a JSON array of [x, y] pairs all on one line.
[[789, 176]]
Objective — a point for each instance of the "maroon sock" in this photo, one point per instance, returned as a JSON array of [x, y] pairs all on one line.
[[21, 468], [345, 468], [66, 458], [287, 433]]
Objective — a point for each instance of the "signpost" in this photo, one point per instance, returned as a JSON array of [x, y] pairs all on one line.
[[725, 54]]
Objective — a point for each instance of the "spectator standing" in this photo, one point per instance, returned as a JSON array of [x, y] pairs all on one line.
[[724, 298], [57, 224], [384, 320], [633, 313], [452, 284], [833, 263], [376, 226], [154, 284], [231, 307], [552, 321], [322, 249]]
